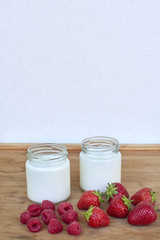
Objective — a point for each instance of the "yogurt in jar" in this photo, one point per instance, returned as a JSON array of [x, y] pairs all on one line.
[[100, 163], [48, 173]]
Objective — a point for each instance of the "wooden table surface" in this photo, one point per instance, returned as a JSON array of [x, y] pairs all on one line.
[[140, 168]]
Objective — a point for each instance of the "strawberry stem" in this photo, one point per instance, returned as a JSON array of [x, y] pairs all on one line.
[[88, 213], [156, 208], [153, 195], [98, 194], [127, 202], [111, 189]]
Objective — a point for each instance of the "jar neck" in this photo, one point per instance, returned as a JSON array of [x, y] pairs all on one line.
[[47, 154], [100, 145]]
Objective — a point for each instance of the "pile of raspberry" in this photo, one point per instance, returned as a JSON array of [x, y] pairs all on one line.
[[48, 215]]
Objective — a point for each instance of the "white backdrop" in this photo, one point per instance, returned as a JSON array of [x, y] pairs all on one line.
[[74, 69]]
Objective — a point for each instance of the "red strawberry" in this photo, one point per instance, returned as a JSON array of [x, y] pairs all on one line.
[[89, 198], [119, 207], [115, 189], [144, 194], [96, 217], [143, 214]]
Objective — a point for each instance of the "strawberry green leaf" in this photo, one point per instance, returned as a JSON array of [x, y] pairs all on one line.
[[153, 195], [127, 202], [156, 208], [98, 194], [88, 213], [111, 189]]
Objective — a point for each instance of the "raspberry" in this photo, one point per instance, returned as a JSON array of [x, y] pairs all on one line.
[[69, 216], [34, 210], [64, 207], [25, 217], [34, 225], [46, 204], [54, 226], [74, 228], [47, 214]]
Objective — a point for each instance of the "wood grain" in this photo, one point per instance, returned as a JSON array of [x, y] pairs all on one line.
[[140, 167]]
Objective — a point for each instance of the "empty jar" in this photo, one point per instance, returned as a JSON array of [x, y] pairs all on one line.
[[100, 163], [48, 173]]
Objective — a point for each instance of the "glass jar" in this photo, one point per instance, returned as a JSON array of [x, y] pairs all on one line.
[[48, 173], [100, 163]]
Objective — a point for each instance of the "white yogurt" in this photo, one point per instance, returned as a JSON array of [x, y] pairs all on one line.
[[100, 163], [48, 173]]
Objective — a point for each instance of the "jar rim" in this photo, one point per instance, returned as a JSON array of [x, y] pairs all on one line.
[[47, 152], [100, 144]]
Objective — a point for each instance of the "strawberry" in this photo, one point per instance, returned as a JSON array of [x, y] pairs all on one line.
[[144, 194], [115, 189], [89, 198], [143, 214], [119, 207], [96, 217]]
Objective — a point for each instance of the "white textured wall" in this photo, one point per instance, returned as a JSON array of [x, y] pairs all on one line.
[[73, 69]]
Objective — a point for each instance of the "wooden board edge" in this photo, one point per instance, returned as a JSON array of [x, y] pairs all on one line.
[[77, 147]]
